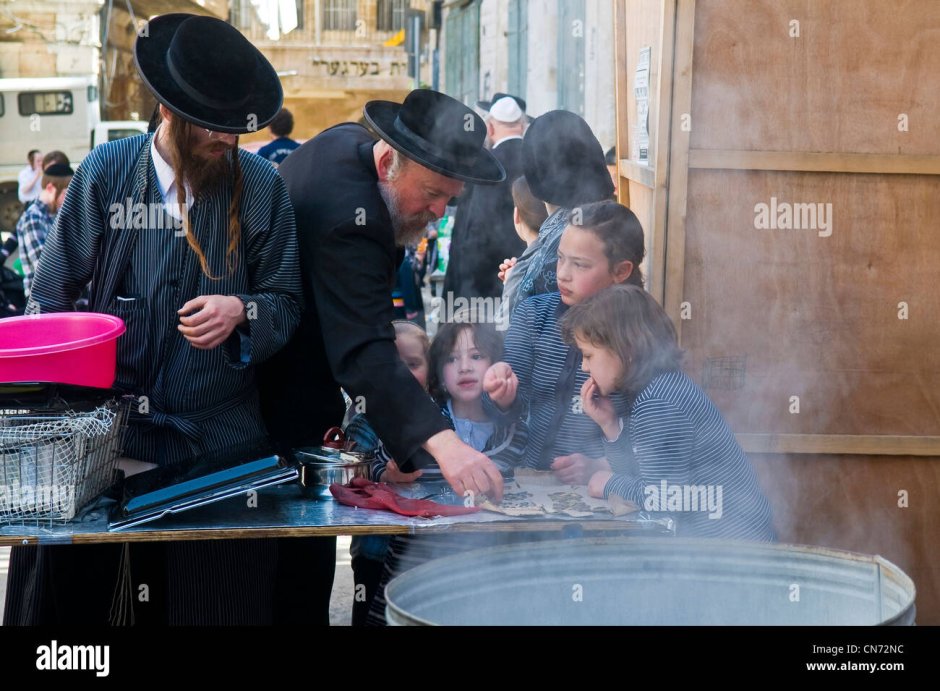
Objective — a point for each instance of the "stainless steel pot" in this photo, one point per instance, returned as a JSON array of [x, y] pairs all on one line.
[[644, 582], [321, 466]]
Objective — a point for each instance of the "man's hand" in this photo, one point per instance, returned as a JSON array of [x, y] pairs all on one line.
[[577, 468], [600, 409], [598, 482], [465, 468], [501, 383], [393, 473], [211, 320], [505, 268]]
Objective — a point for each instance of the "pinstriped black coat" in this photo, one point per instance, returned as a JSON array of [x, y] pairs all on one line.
[[198, 400]]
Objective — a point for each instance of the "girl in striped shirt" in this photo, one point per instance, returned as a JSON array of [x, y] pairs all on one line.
[[674, 452], [540, 379]]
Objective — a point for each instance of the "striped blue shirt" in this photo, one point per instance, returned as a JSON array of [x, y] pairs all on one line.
[[537, 354], [196, 400], [541, 270], [677, 454]]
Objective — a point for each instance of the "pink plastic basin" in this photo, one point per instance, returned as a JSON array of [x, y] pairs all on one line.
[[71, 348]]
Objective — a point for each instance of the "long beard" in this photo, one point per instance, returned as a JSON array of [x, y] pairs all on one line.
[[203, 175], [408, 229]]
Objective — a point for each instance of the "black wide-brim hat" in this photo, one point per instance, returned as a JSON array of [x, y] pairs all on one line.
[[206, 72], [563, 162], [439, 133]]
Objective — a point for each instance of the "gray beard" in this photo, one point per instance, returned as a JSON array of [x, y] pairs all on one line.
[[408, 229]]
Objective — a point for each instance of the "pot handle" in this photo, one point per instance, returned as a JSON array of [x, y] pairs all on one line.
[[334, 438]]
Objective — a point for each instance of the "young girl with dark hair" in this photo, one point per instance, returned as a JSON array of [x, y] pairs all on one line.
[[461, 353], [673, 451]]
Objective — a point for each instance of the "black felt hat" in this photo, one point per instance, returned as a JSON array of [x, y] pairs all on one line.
[[206, 72], [563, 162], [438, 132], [59, 170]]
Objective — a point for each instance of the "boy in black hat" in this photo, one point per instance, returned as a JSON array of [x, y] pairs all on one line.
[[358, 203], [191, 242]]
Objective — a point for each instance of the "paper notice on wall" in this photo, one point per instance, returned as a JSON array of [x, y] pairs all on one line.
[[641, 93]]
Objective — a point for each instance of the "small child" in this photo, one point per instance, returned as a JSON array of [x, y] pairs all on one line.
[[460, 355], [601, 246], [368, 553], [674, 452]]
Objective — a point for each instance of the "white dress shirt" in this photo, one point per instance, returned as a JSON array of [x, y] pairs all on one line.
[[28, 194], [166, 181]]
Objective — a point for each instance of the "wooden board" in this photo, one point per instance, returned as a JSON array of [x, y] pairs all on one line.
[[781, 313], [839, 87], [898, 164], [641, 204], [854, 444], [640, 24], [679, 138], [851, 502], [643, 28]]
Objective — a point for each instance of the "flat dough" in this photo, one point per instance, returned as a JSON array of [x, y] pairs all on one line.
[[539, 493]]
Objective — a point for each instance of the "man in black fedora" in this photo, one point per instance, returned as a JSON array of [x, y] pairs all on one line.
[[358, 202], [190, 241]]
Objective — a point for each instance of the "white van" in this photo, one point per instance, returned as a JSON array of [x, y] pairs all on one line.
[[55, 113]]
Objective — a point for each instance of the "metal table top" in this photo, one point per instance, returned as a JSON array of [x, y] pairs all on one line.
[[286, 511]]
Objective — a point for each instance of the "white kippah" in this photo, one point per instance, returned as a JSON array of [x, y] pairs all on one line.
[[506, 110]]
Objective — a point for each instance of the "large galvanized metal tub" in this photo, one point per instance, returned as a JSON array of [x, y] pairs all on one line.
[[649, 582]]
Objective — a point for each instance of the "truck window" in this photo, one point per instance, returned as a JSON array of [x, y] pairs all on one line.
[[45, 103]]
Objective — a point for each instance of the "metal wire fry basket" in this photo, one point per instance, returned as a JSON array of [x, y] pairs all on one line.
[[54, 462]]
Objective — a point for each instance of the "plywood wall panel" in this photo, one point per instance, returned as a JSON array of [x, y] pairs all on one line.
[[839, 87], [777, 313]]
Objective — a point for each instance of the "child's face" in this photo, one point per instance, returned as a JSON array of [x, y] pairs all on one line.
[[583, 269], [603, 364], [464, 369], [411, 351]]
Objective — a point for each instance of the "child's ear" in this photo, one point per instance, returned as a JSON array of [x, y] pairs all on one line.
[[623, 270]]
